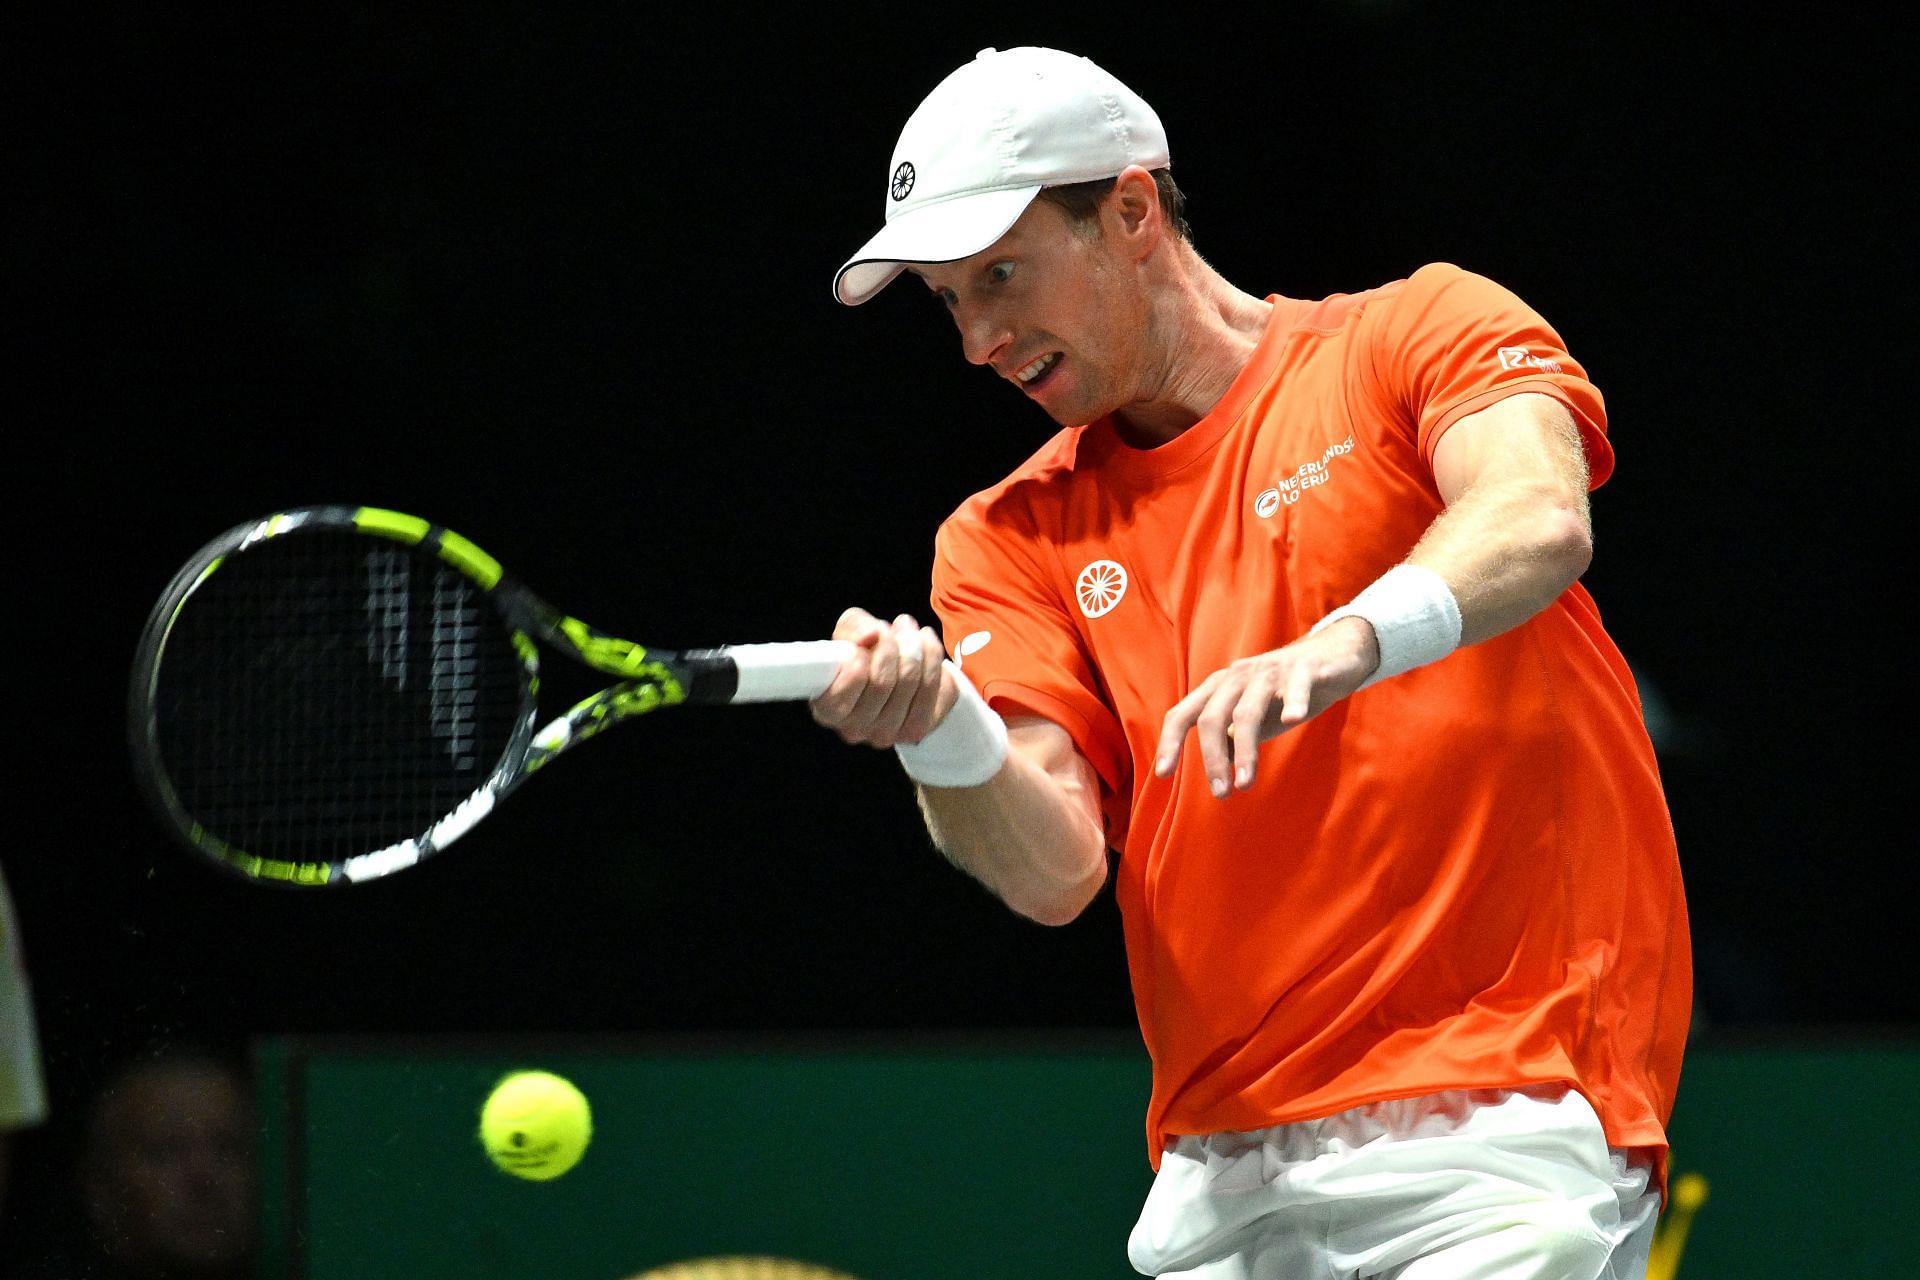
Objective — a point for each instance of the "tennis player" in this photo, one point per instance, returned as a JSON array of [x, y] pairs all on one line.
[[1287, 616]]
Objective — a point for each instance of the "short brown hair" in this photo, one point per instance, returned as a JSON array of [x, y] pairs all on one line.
[[1081, 200]]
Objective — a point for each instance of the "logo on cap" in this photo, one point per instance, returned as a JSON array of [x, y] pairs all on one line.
[[903, 180]]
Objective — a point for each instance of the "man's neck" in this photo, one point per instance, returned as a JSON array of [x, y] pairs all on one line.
[[1203, 333]]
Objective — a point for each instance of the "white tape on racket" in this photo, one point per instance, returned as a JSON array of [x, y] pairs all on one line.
[[788, 672]]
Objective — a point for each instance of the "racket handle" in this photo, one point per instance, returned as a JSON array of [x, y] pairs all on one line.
[[791, 672]]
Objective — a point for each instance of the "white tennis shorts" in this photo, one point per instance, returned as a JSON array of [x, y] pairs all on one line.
[[1484, 1184]]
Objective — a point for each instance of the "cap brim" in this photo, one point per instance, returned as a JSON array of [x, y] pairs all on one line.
[[944, 232]]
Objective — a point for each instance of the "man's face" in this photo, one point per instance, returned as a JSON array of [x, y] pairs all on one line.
[[1055, 310], [171, 1175]]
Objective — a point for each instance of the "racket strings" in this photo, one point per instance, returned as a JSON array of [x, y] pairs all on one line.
[[326, 694]]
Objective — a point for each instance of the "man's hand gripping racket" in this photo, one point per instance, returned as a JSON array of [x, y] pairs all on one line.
[[331, 694]]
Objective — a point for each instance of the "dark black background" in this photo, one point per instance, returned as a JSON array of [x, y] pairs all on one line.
[[561, 283]]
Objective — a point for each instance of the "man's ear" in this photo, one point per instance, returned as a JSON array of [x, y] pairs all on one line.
[[1132, 210]]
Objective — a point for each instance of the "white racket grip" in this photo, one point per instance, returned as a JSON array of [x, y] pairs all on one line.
[[791, 672], [964, 750]]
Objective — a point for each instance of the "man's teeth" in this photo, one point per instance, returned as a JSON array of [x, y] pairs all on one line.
[[1037, 368]]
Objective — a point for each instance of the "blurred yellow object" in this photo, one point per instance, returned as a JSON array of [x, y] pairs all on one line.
[[1689, 1193], [741, 1268]]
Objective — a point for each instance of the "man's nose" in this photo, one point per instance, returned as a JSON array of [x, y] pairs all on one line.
[[983, 335]]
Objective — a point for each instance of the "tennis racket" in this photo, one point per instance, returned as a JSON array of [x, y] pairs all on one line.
[[331, 694]]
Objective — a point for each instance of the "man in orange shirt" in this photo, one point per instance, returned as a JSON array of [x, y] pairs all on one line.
[[1287, 617]]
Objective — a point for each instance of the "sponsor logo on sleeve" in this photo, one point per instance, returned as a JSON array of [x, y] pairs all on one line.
[[970, 644], [1520, 358]]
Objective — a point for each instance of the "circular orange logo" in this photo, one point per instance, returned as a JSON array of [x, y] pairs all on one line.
[[1100, 586]]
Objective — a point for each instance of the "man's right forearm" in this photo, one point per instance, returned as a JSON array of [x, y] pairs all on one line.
[[1031, 833]]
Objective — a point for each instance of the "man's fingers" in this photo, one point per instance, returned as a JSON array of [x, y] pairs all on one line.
[[830, 708], [863, 631], [926, 709], [896, 681], [858, 626], [908, 640], [1211, 729], [886, 689], [1298, 703], [1205, 713], [1175, 725], [1249, 716], [932, 665], [1238, 707]]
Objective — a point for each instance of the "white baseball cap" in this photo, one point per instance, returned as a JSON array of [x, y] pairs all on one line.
[[979, 147]]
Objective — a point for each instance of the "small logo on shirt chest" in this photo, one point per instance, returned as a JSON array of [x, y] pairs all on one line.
[[1309, 475], [1100, 587]]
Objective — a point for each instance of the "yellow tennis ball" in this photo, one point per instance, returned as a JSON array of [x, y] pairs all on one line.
[[535, 1125]]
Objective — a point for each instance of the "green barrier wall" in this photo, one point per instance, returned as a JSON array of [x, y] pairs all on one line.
[[921, 1162]]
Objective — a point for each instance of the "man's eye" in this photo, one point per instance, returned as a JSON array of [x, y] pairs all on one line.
[[947, 297], [1000, 272]]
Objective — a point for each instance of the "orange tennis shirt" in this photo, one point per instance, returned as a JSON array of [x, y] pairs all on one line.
[[1464, 876]]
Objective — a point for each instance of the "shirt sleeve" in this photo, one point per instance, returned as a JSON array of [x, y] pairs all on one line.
[[1006, 625], [1453, 342]]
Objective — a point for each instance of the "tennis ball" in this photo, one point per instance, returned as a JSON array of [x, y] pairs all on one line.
[[535, 1125]]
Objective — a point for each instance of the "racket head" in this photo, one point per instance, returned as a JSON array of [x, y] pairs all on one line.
[[329, 694]]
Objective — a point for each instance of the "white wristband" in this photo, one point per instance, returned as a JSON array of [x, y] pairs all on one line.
[[1415, 619], [963, 750]]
